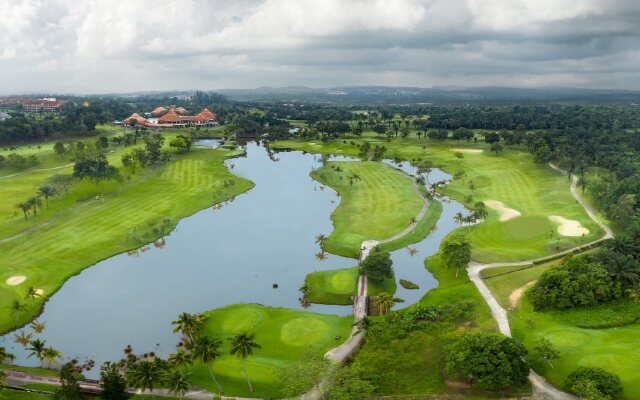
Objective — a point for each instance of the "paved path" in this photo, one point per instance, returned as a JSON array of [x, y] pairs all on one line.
[[540, 385]]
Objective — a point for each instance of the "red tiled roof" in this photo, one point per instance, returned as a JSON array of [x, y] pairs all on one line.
[[159, 111], [208, 114], [181, 110], [135, 116], [169, 117]]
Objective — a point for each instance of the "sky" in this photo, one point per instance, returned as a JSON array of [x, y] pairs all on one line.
[[107, 46]]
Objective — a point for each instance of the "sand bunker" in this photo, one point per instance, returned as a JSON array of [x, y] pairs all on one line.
[[469, 151], [39, 292], [514, 297], [16, 280], [507, 213], [568, 227]]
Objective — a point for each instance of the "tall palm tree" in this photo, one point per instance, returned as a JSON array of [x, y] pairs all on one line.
[[37, 349], [47, 191], [413, 223], [177, 382], [144, 375], [207, 349], [17, 308], [50, 354], [34, 202], [187, 324], [5, 355], [38, 326], [25, 207], [321, 239], [180, 359], [32, 293], [23, 338], [459, 218], [384, 302], [321, 256], [243, 345]]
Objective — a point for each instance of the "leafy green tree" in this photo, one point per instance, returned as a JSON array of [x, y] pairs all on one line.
[[348, 383], [488, 361], [153, 145], [181, 143], [496, 148], [455, 251], [594, 383], [59, 149], [300, 376], [113, 384], [102, 143], [96, 168], [243, 345], [377, 266], [543, 348], [69, 388]]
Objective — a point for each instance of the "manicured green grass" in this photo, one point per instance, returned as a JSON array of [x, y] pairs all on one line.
[[285, 336], [510, 177], [84, 235], [31, 370], [18, 395], [378, 206], [336, 286], [420, 231]]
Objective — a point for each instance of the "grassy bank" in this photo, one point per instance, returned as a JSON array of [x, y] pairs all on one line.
[[336, 286], [285, 336], [137, 212], [377, 205]]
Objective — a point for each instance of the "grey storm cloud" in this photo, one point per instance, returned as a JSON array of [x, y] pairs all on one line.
[[97, 46]]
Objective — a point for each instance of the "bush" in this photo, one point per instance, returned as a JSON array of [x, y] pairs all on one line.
[[488, 361], [408, 284], [593, 383], [377, 265]]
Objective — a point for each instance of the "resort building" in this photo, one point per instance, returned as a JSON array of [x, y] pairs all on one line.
[[163, 117], [43, 105]]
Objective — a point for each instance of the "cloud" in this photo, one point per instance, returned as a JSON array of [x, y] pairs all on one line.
[[109, 45]]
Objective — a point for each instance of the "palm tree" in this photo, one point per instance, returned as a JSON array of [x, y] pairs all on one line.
[[32, 293], [25, 207], [34, 202], [412, 251], [144, 375], [180, 359], [37, 326], [4, 355], [321, 256], [458, 218], [17, 308], [187, 324], [23, 338], [47, 191], [243, 345], [50, 354], [207, 349], [413, 223], [368, 327], [384, 302], [321, 239], [177, 382], [37, 349]]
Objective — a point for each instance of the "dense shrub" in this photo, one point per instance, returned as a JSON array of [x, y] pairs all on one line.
[[593, 383], [488, 361], [377, 265]]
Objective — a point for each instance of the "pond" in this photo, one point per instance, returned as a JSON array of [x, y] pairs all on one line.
[[223, 255]]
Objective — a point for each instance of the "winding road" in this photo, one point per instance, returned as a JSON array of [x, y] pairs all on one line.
[[540, 385]]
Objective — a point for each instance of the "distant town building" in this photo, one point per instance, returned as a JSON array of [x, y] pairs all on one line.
[[85, 104], [48, 104]]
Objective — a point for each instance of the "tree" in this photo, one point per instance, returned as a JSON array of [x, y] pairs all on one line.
[[180, 359], [102, 143], [181, 143], [491, 137], [96, 168], [596, 383], [207, 350], [69, 388], [377, 266], [144, 375], [23, 338], [37, 348], [321, 240], [299, 376], [496, 148], [32, 293], [50, 354], [187, 324], [5, 355], [348, 383], [543, 348], [177, 382], [153, 144], [112, 382], [59, 149], [456, 252], [25, 207], [384, 302], [489, 361], [47, 191], [243, 345], [17, 308]]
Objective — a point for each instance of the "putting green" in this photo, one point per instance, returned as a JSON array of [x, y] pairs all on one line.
[[285, 336], [527, 228], [337, 286]]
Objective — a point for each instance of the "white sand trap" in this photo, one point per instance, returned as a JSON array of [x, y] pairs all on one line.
[[469, 151], [507, 213], [568, 227], [514, 297], [39, 292], [16, 280]]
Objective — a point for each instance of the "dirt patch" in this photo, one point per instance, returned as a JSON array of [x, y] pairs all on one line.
[[469, 151], [568, 227], [16, 280], [515, 296], [507, 213]]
